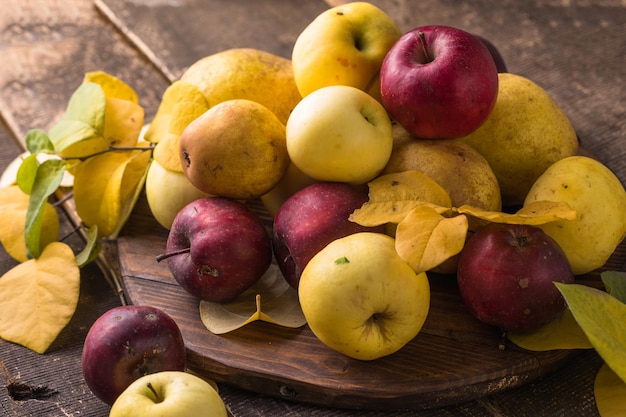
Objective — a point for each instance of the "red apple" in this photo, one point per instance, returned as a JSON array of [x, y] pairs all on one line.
[[312, 218], [126, 343], [439, 82], [506, 276], [217, 248]]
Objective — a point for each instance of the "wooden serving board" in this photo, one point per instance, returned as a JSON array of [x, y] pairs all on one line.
[[453, 359]]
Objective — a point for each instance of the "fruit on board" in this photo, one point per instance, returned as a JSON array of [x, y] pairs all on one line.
[[312, 218], [344, 45], [439, 82], [526, 132], [598, 197], [126, 343], [498, 59], [235, 149], [246, 73], [361, 299], [217, 248], [169, 393], [460, 169], [167, 192], [339, 134], [506, 275]]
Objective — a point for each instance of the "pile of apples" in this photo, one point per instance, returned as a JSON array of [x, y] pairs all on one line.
[[305, 136]]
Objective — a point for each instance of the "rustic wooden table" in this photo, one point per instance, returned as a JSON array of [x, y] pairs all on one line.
[[575, 50]]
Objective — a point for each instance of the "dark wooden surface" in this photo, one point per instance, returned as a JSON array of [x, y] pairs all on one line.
[[576, 51]]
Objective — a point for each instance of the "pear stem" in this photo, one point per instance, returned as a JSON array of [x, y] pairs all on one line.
[[424, 48], [164, 256]]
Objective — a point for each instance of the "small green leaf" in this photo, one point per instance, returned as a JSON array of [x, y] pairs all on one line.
[[47, 180], [26, 173], [38, 141], [342, 260], [615, 283], [91, 249], [68, 132], [602, 318]]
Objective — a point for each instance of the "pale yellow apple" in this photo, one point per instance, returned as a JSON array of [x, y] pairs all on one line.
[[292, 181], [169, 393], [246, 73], [339, 133], [598, 197], [361, 299], [167, 192], [525, 133], [344, 45]]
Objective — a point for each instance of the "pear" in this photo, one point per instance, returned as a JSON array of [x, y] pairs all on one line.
[[246, 73], [460, 169], [598, 197], [235, 149], [525, 133]]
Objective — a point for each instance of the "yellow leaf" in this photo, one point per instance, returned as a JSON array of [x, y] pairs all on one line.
[[610, 393], [13, 208], [393, 196], [178, 92], [166, 151], [534, 214], [425, 239], [123, 122], [271, 299], [106, 188], [38, 298], [562, 333], [112, 86]]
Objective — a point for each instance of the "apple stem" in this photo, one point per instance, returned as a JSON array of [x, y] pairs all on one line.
[[424, 48], [164, 256], [156, 394]]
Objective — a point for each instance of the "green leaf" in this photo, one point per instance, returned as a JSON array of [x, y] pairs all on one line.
[[68, 132], [91, 249], [47, 180], [615, 283], [602, 318], [38, 141], [26, 173]]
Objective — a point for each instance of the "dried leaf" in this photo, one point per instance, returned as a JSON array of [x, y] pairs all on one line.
[[38, 298], [602, 318], [271, 299], [393, 196], [562, 333], [425, 238], [536, 213], [610, 393]]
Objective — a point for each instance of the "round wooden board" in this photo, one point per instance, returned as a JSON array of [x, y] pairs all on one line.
[[453, 359]]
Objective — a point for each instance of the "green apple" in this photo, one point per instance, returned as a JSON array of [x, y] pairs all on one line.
[[361, 299], [168, 192], [169, 393], [344, 45], [339, 133]]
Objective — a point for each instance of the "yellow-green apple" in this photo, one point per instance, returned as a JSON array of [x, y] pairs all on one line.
[[339, 134], [167, 192], [169, 393], [312, 218], [344, 45], [439, 82], [126, 343], [506, 275], [217, 248], [361, 299]]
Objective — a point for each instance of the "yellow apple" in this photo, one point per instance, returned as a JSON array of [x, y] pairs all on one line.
[[339, 133], [169, 393], [344, 45], [167, 192], [361, 299]]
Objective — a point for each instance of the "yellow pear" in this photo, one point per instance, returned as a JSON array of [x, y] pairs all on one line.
[[460, 169], [246, 73], [598, 197], [525, 133], [235, 149]]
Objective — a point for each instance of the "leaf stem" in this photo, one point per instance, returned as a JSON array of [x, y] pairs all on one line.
[[110, 149]]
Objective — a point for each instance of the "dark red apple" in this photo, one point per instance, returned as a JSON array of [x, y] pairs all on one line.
[[439, 82], [217, 248], [506, 276], [126, 343], [312, 218]]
